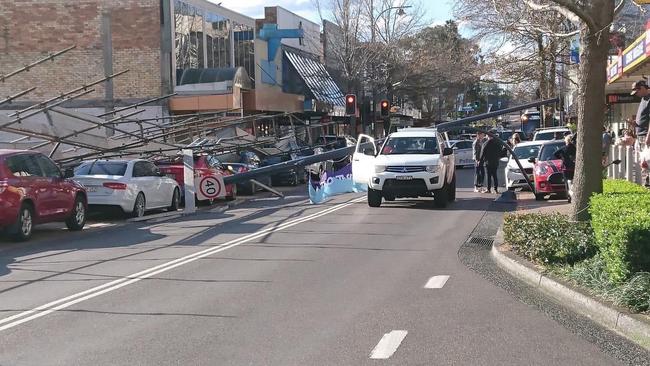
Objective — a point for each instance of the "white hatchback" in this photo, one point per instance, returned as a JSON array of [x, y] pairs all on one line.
[[463, 152], [514, 176], [134, 185]]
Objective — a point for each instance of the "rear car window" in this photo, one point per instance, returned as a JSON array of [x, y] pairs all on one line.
[[24, 166], [101, 168]]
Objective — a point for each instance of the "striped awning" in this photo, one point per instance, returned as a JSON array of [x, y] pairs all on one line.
[[317, 79]]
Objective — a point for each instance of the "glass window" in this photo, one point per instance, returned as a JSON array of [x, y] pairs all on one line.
[[188, 36], [526, 152], [548, 151], [102, 168], [218, 41], [50, 169], [24, 166], [139, 169], [411, 145], [151, 169], [244, 37]]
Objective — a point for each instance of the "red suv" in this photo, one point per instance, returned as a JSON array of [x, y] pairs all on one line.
[[33, 190]]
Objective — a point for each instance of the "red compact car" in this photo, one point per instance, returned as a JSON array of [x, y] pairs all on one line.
[[33, 190], [549, 172], [203, 165]]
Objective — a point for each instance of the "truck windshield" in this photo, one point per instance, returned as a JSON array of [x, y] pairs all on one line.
[[410, 145]]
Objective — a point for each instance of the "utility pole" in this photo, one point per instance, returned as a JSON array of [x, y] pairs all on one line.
[[373, 106]]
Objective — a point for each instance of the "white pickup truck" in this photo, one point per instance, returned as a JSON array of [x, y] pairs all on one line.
[[414, 162]]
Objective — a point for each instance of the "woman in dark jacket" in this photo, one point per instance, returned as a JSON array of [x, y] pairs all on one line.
[[491, 155]]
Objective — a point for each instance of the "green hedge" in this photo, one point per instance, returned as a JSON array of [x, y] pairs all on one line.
[[620, 218], [548, 239]]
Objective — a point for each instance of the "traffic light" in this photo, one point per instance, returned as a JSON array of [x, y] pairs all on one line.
[[350, 105], [477, 104], [385, 107]]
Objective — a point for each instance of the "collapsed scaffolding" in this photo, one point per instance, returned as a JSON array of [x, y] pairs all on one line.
[[69, 136]]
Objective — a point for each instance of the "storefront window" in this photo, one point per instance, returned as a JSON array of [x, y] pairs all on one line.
[[217, 41], [188, 36]]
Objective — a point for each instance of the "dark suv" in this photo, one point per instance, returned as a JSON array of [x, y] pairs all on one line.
[[33, 190]]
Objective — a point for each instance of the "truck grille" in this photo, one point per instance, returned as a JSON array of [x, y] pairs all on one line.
[[528, 170], [405, 168]]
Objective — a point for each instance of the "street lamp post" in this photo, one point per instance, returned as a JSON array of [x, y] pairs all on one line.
[[374, 20]]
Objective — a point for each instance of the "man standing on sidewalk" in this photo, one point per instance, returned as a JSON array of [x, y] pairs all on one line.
[[479, 168], [641, 89], [491, 155]]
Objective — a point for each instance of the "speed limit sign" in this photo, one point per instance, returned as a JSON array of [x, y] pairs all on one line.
[[210, 187]]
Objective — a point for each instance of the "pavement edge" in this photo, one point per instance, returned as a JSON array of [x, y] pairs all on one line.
[[629, 325]]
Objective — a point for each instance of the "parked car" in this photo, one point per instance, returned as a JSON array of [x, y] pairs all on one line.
[[133, 185], [33, 190], [248, 187], [463, 152], [524, 151], [204, 165], [549, 171], [289, 177], [555, 133]]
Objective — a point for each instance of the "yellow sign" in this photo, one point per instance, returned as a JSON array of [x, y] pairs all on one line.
[[641, 2]]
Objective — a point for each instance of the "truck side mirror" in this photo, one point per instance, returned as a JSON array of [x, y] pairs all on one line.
[[447, 151]]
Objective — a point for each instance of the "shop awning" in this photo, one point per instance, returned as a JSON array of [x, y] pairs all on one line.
[[316, 78]]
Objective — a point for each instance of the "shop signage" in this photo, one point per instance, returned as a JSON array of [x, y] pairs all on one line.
[[635, 54], [620, 98], [613, 71]]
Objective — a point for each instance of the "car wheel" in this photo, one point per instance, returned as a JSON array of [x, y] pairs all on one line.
[[452, 189], [441, 196], [139, 207], [539, 196], [77, 218], [176, 198], [233, 196], [374, 198], [21, 230]]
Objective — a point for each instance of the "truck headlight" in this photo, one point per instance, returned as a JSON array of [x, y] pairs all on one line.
[[432, 168], [380, 168]]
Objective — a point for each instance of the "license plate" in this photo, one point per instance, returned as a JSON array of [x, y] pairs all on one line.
[[91, 189], [404, 177]]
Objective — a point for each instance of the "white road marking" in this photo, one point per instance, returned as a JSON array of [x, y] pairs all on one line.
[[436, 282], [68, 301], [388, 345]]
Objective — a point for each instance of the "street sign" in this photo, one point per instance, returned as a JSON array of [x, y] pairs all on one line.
[[210, 187]]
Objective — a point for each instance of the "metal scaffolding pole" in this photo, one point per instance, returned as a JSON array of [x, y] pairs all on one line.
[[28, 67], [10, 98]]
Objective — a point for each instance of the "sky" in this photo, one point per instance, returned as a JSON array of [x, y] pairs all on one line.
[[438, 11]]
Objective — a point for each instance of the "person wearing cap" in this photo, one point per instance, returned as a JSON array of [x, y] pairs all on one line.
[[641, 89]]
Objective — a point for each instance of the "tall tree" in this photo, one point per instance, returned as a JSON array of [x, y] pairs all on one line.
[[437, 76]]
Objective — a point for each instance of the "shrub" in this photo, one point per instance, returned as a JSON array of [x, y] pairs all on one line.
[[548, 239], [620, 218], [592, 275]]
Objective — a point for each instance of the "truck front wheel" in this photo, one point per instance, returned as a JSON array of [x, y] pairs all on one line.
[[374, 198], [441, 196]]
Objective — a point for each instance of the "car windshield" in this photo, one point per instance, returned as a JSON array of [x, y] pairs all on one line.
[[549, 135], [410, 145], [101, 168], [548, 151], [525, 152]]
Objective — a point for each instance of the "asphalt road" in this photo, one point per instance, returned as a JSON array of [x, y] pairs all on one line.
[[279, 282]]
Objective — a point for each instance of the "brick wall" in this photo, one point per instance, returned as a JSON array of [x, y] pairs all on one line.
[[30, 29]]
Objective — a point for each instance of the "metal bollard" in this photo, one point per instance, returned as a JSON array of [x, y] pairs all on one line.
[[610, 157], [621, 167], [629, 164], [637, 167], [188, 179]]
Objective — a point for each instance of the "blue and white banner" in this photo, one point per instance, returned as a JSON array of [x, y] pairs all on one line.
[[334, 183]]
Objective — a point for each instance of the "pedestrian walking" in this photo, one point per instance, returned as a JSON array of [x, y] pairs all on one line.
[[479, 168], [642, 121], [491, 155], [516, 140], [606, 145]]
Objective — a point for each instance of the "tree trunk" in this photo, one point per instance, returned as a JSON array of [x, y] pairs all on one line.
[[543, 76], [591, 118]]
